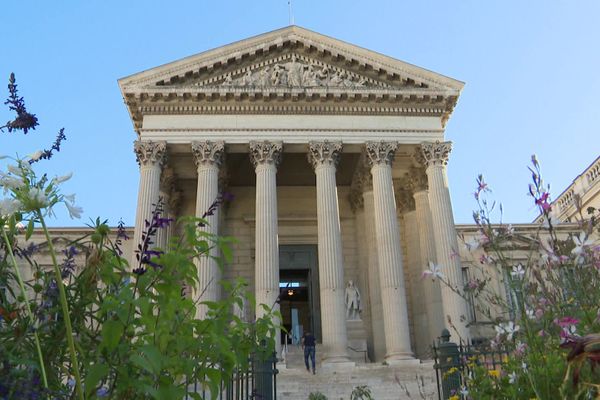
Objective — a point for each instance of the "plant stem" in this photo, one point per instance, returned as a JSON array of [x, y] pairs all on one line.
[[65, 311], [9, 250]]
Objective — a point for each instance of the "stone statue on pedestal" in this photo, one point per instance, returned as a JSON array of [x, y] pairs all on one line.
[[353, 302]]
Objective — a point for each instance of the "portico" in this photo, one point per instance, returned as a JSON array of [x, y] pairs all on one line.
[[315, 138]]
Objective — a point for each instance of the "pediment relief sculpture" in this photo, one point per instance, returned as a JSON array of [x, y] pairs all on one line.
[[291, 71]]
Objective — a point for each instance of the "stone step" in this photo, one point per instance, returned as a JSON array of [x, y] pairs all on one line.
[[385, 382]]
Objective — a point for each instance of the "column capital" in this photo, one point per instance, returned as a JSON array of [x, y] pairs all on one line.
[[265, 153], [324, 153], [208, 153], [150, 153], [435, 153], [380, 152], [417, 179]]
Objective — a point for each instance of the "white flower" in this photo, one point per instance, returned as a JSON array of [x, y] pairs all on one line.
[[74, 211], [36, 156], [517, 271], [464, 391], [510, 230], [512, 377], [10, 182], [581, 242], [524, 366], [70, 198], [508, 329], [435, 271], [530, 313], [9, 206], [60, 179], [38, 196]]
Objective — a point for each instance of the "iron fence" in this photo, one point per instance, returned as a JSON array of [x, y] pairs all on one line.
[[255, 381], [454, 362]]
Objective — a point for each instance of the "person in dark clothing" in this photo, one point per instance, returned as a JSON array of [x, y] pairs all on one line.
[[309, 344]]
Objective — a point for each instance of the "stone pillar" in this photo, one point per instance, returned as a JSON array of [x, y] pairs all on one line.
[[324, 157], [431, 290], [167, 181], [265, 157], [150, 156], [391, 276], [208, 157], [446, 243]]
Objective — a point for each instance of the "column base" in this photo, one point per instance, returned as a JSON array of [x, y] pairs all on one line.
[[340, 365], [401, 359]]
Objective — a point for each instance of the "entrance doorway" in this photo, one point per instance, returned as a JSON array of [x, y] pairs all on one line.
[[299, 291]]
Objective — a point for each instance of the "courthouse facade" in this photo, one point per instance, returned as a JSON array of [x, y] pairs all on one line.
[[337, 160]]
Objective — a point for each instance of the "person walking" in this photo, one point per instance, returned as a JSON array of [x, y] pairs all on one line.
[[309, 345]]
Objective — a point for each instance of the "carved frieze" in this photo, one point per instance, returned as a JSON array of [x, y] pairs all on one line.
[[436, 153], [208, 153], [380, 152], [292, 71], [265, 152], [150, 153], [324, 153]]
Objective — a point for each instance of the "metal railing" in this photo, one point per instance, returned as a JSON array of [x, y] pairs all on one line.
[[453, 362], [255, 381]]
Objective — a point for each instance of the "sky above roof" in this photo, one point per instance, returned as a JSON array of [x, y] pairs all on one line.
[[530, 68]]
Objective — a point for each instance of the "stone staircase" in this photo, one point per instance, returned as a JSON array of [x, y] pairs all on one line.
[[399, 382]]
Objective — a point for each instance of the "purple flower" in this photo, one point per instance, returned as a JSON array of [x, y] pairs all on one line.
[[566, 322]]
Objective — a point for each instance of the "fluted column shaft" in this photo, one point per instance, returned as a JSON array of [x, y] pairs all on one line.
[[266, 157], [393, 293], [446, 242], [324, 157], [431, 290], [151, 157], [208, 157]]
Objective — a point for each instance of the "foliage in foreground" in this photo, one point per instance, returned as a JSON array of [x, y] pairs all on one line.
[[547, 315], [93, 326]]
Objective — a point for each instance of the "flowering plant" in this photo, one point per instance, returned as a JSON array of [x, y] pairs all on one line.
[[549, 302], [93, 326]]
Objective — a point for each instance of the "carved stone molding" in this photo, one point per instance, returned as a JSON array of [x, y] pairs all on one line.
[[417, 179], [324, 153], [150, 153], [436, 153], [404, 195], [265, 152], [380, 152], [208, 153]]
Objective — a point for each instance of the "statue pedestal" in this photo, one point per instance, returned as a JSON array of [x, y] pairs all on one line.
[[357, 341]]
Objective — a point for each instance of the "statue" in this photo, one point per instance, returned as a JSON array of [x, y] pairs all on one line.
[[264, 77], [247, 80], [294, 73], [353, 303], [228, 80], [309, 78]]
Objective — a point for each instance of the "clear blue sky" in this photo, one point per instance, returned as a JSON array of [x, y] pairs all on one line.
[[532, 73]]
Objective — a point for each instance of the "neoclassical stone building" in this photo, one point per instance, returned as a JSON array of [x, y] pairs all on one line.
[[337, 160]]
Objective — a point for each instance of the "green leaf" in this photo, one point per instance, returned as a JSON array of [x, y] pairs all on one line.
[[29, 231], [111, 334], [94, 375]]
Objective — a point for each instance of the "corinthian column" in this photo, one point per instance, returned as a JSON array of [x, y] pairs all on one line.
[[208, 157], [446, 243], [391, 276], [431, 290], [324, 157], [150, 156], [266, 156]]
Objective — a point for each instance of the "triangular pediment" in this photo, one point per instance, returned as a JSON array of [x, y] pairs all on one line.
[[291, 57], [290, 70]]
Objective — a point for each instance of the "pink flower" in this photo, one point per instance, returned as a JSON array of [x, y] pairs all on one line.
[[520, 349], [542, 201], [566, 322]]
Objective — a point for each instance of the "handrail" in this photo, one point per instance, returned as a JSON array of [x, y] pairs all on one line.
[[359, 351]]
